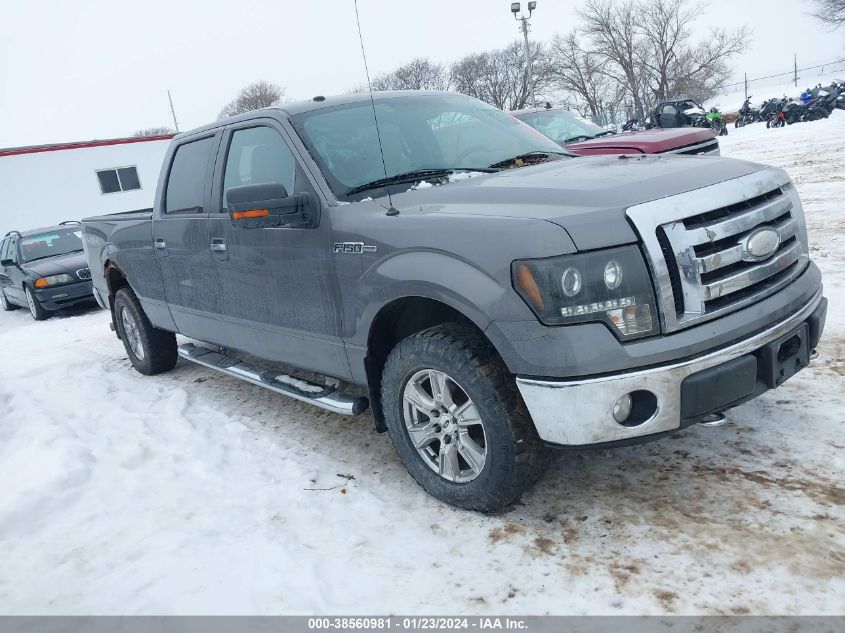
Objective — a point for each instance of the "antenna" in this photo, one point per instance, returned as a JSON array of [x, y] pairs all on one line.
[[392, 210], [172, 111]]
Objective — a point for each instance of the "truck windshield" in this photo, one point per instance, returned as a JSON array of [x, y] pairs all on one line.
[[419, 132], [50, 244], [561, 126]]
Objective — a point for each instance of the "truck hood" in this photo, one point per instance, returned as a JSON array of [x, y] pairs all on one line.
[[58, 264], [586, 196], [645, 142]]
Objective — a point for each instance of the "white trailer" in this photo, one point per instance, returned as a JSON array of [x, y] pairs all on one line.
[[47, 184]]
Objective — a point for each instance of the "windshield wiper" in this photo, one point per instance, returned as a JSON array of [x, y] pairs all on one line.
[[578, 137], [605, 133], [35, 259], [417, 175], [527, 156]]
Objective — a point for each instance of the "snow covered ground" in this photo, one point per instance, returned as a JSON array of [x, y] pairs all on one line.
[[194, 493]]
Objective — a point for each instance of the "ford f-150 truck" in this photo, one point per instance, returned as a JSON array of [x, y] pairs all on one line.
[[487, 295]]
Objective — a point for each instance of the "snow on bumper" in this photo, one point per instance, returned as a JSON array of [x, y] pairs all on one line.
[[581, 412]]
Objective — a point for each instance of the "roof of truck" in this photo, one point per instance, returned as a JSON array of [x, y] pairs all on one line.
[[318, 103]]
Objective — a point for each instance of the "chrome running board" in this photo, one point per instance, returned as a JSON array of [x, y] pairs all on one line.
[[324, 396]]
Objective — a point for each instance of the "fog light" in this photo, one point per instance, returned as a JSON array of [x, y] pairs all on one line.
[[622, 408]]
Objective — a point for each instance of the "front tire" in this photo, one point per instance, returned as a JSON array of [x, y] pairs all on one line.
[[457, 421], [150, 350], [35, 308], [4, 302]]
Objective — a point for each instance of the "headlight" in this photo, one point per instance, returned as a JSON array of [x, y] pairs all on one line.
[[611, 286], [53, 280]]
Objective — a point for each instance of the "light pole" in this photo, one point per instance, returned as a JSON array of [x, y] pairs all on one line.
[[515, 9]]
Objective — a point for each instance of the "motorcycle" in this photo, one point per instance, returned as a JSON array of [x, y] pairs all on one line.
[[776, 116], [799, 111], [747, 114], [770, 108], [714, 119]]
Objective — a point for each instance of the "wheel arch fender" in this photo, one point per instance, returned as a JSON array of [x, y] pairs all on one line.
[[418, 290]]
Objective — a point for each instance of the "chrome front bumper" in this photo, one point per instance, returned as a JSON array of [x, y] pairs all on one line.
[[579, 412]]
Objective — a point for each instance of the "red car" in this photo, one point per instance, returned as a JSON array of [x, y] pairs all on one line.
[[583, 137]]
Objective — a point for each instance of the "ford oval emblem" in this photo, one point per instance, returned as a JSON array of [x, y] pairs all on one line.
[[761, 244]]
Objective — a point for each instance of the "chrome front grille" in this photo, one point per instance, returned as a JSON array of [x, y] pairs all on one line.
[[701, 245], [84, 273], [710, 147]]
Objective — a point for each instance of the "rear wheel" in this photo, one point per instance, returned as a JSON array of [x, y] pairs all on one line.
[[35, 308], [4, 302], [150, 350], [457, 421]]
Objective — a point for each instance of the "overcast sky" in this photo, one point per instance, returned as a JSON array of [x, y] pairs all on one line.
[[101, 68]]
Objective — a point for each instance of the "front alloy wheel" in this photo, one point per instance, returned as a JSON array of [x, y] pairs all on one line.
[[38, 313], [444, 426], [457, 421]]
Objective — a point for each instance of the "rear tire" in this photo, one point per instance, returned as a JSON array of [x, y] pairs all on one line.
[[481, 412], [150, 350], [4, 302], [35, 308]]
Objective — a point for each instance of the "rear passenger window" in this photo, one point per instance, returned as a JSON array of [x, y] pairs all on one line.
[[258, 155], [186, 183]]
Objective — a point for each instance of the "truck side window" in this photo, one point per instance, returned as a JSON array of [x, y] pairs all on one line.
[[186, 184], [258, 155]]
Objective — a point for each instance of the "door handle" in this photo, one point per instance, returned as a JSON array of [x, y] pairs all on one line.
[[218, 249], [160, 243]]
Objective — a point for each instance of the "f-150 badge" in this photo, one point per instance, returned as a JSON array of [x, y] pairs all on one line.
[[353, 248]]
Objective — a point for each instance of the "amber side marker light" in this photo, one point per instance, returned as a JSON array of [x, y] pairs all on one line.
[[253, 213], [41, 283], [529, 286]]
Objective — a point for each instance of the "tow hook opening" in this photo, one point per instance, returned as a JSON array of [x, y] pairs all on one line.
[[635, 408], [789, 348]]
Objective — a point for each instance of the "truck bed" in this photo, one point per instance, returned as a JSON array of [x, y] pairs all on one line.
[[136, 214]]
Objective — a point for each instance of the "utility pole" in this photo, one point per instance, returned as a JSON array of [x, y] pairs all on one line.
[[795, 74], [172, 111], [515, 8], [746, 86]]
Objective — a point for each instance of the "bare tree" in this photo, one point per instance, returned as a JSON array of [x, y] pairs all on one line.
[[418, 74], [672, 63], [613, 28], [830, 12], [155, 131], [649, 47], [583, 76], [500, 77], [703, 69], [257, 95]]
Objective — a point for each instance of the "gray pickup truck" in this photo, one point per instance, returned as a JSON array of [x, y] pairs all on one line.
[[486, 294]]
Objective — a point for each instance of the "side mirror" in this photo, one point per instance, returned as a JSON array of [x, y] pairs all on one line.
[[268, 205], [7, 262]]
